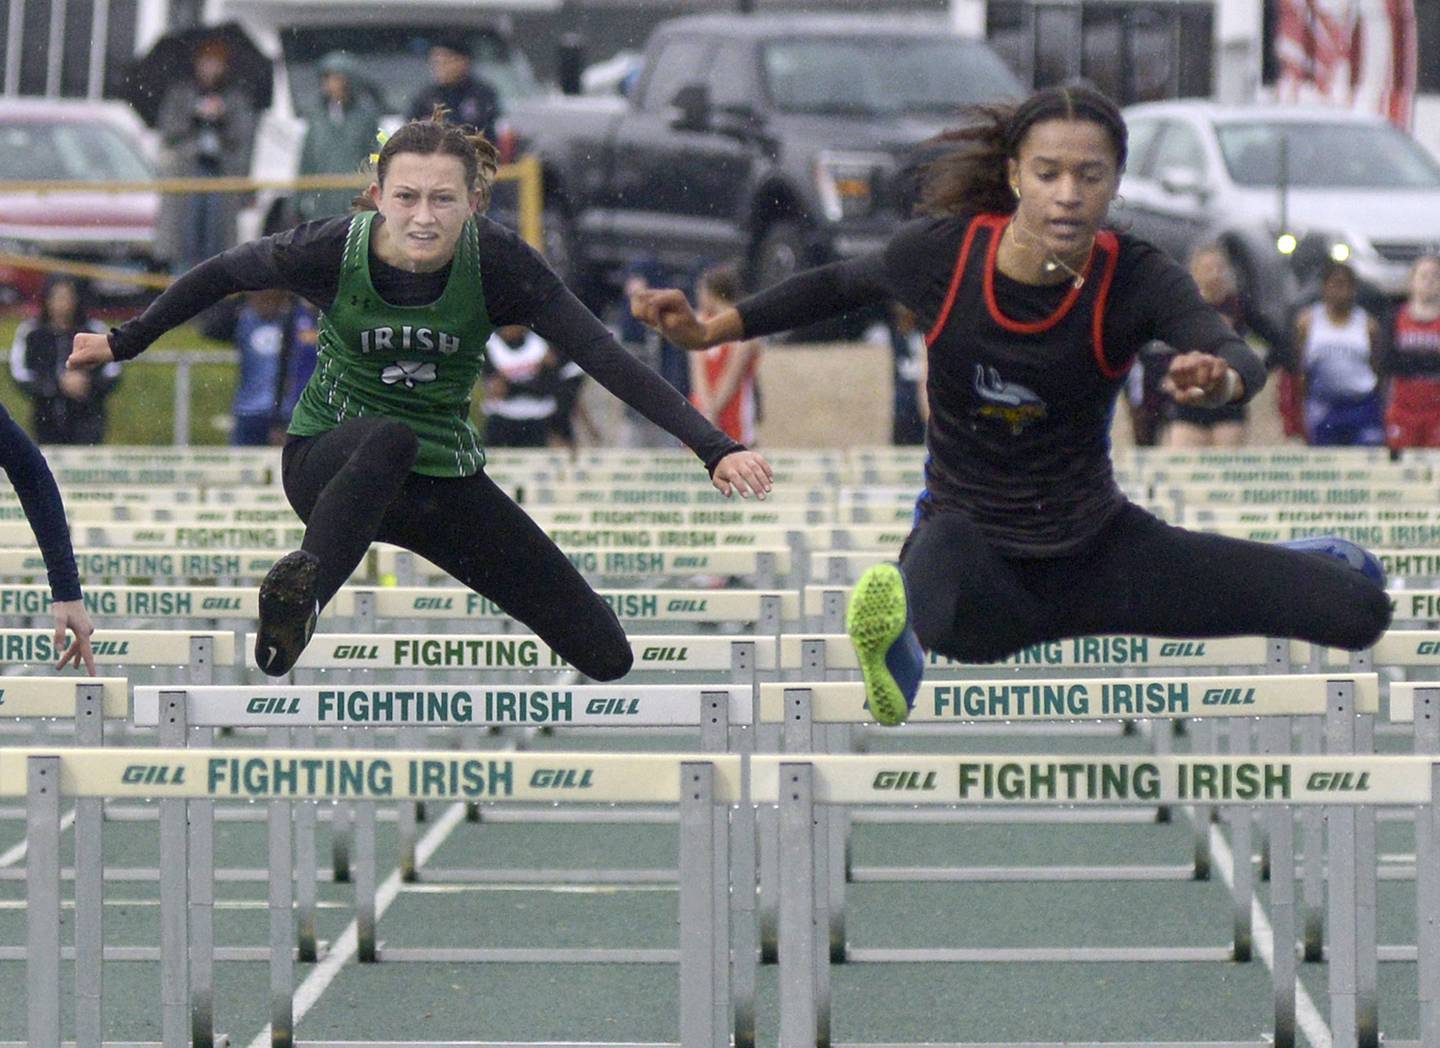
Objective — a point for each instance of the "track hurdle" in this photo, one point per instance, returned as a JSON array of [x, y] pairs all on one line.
[[803, 785], [766, 564], [801, 708], [701, 786]]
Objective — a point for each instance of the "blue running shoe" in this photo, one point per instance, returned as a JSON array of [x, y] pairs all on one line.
[[1355, 557], [891, 658]]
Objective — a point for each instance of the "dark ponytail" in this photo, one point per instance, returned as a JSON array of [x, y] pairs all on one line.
[[972, 174], [431, 136]]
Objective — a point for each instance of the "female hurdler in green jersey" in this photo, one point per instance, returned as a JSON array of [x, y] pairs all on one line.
[[381, 447]]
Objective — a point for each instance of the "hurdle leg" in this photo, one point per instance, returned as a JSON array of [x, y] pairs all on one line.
[[1203, 736], [1241, 846], [42, 902], [1312, 823], [1275, 741], [767, 820], [837, 740], [798, 946], [743, 931], [409, 739], [282, 926], [89, 879], [823, 830], [305, 862], [202, 915], [704, 1000], [342, 823], [1367, 974], [1341, 865], [1427, 870], [174, 924], [367, 947]]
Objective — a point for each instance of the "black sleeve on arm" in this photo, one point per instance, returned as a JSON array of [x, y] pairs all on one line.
[[1181, 318], [815, 295], [305, 260], [521, 289], [40, 498]]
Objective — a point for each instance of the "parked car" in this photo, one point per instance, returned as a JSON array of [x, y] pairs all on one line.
[[784, 140], [51, 140], [1282, 188]]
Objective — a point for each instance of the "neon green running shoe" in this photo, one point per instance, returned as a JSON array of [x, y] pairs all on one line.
[[891, 658]]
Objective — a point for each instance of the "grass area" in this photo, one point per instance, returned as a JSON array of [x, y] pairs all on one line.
[[142, 408]]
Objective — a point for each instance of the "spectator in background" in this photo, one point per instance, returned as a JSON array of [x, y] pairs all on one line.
[[469, 99], [207, 127], [275, 334], [339, 134], [69, 407], [521, 380], [1338, 350], [722, 378], [1189, 426], [569, 381], [906, 343], [1411, 362]]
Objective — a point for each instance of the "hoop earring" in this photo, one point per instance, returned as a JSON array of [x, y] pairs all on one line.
[[1118, 201]]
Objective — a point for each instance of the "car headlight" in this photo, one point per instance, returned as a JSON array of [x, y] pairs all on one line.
[[848, 183], [1308, 250]]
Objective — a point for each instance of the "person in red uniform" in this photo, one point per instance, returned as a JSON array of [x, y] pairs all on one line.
[[1412, 363], [1034, 313], [722, 378]]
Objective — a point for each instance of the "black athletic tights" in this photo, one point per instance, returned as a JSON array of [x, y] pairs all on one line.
[[353, 486], [1139, 575]]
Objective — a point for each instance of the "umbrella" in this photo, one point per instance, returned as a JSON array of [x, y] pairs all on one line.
[[171, 59]]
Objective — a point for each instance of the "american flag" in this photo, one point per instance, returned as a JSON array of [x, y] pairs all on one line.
[[1354, 53]]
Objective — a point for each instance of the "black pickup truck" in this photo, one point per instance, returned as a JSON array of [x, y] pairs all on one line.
[[782, 140]]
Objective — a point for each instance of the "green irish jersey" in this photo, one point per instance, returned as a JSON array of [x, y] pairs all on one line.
[[414, 364]]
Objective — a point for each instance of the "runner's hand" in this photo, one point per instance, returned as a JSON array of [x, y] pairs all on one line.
[[71, 615], [668, 312], [90, 350], [746, 472], [1201, 380]]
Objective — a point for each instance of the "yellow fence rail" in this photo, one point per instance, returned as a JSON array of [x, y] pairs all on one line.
[[526, 171]]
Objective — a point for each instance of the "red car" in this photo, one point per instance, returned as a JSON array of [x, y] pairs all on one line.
[[48, 139]]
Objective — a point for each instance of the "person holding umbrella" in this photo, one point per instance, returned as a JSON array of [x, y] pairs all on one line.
[[206, 124]]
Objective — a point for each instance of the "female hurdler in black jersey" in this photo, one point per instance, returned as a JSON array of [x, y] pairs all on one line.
[[381, 447], [1034, 313]]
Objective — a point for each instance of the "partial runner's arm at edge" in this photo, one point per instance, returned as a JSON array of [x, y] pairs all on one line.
[[565, 322], [40, 498], [815, 295], [304, 260]]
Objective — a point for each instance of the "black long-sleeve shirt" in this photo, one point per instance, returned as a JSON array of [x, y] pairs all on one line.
[[520, 288], [30, 475], [1022, 380]]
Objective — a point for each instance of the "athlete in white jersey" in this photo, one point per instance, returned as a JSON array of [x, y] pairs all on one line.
[[1338, 341]]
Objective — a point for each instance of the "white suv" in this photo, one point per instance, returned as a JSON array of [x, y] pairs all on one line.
[[1282, 188]]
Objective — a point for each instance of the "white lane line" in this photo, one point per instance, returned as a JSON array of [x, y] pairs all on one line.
[[15, 854], [1307, 1016], [348, 944]]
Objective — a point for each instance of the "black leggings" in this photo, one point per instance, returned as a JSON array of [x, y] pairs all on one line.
[[1139, 575], [353, 486]]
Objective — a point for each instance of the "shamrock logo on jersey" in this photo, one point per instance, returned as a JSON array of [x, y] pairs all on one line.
[[408, 372]]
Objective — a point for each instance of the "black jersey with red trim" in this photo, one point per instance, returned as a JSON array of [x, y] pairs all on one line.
[[1023, 380]]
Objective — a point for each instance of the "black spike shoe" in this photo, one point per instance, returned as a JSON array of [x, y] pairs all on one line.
[[288, 610]]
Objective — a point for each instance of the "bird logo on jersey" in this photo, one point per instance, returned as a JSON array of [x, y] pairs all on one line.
[[408, 372], [1006, 402]]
